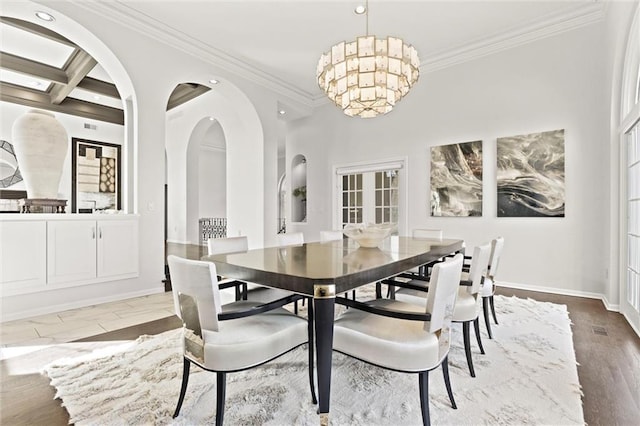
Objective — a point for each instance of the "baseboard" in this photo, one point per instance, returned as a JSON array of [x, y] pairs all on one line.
[[633, 326], [610, 306], [79, 304], [562, 291]]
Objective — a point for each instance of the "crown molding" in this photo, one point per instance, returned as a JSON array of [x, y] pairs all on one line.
[[125, 15], [570, 19]]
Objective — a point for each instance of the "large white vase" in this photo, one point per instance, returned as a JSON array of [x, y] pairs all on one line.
[[41, 145]]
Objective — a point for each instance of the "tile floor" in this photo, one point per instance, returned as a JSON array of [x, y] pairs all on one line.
[[23, 336]]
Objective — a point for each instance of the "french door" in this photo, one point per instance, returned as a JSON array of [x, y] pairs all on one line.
[[371, 193]]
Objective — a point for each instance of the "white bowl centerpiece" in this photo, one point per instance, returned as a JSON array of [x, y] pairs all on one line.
[[368, 235]]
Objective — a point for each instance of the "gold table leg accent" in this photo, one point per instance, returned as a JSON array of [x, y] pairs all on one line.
[[324, 419], [324, 291]]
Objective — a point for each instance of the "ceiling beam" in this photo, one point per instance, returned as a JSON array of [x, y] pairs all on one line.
[[99, 87], [32, 68], [37, 30], [37, 99], [184, 92], [77, 68]]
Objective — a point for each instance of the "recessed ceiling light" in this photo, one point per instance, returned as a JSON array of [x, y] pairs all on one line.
[[35, 84], [45, 16], [211, 118], [213, 81], [96, 97], [282, 112], [360, 9]]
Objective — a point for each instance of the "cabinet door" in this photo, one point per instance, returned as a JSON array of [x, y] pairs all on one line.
[[118, 248], [71, 249], [23, 256]]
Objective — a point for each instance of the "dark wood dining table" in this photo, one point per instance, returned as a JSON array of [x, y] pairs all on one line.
[[322, 270]]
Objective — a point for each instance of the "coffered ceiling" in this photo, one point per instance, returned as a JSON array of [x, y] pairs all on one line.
[[40, 68]]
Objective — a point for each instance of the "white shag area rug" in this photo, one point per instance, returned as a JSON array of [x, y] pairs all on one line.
[[527, 377]]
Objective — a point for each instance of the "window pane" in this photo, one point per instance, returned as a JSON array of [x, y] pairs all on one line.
[[386, 215], [359, 198], [359, 216], [345, 182], [378, 180], [378, 215], [378, 198], [345, 215], [352, 181], [345, 199], [359, 181], [386, 197], [352, 198]]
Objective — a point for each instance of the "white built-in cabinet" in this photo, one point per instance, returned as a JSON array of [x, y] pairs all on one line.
[[66, 250], [23, 256]]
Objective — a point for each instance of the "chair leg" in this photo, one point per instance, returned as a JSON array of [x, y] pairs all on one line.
[[185, 380], [467, 346], [295, 307], [493, 309], [476, 328], [447, 382], [423, 384], [485, 310], [245, 291], [378, 290], [221, 385], [311, 351]]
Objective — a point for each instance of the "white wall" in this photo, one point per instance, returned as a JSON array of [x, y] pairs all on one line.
[[213, 173], [554, 83]]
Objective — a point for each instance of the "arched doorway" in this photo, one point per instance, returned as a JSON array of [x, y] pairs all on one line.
[[222, 114]]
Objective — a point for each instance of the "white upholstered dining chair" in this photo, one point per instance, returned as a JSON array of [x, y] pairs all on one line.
[[233, 337], [489, 287], [330, 236], [290, 239], [427, 233], [405, 337], [240, 244], [467, 307]]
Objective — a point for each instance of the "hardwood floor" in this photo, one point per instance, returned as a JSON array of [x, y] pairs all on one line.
[[607, 350]]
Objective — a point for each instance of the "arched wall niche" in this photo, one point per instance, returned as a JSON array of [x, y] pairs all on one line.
[[299, 189], [84, 38], [240, 124]]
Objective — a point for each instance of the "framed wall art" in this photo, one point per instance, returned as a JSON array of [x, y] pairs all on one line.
[[96, 176], [530, 175], [456, 179]]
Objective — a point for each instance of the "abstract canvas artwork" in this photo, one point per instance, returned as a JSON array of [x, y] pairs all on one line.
[[95, 176], [456, 179], [530, 175]]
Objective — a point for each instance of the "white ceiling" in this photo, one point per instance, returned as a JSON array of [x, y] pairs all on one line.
[[284, 38]]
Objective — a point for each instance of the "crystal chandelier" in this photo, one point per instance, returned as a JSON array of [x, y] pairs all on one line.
[[368, 76]]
